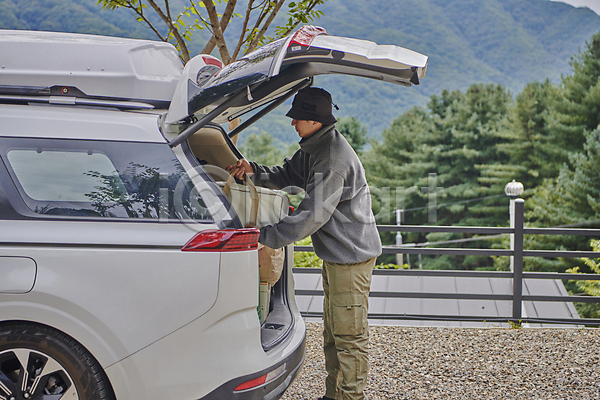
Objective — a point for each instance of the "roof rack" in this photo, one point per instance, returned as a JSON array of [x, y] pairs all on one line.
[[69, 95]]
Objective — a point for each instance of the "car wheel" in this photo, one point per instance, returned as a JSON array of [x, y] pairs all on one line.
[[38, 362]]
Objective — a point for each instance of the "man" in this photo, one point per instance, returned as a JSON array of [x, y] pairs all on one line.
[[336, 212]]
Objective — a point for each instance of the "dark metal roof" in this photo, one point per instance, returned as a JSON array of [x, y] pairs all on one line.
[[447, 284]]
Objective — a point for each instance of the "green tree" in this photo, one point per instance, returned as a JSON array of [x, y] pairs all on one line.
[[577, 109], [529, 147], [306, 259], [354, 132], [467, 141], [570, 200], [592, 288], [572, 197], [263, 149], [388, 162], [528, 144], [471, 128], [180, 22], [436, 155], [458, 133]]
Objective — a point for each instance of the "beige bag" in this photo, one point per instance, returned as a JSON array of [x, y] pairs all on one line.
[[270, 264], [256, 206], [260, 206]]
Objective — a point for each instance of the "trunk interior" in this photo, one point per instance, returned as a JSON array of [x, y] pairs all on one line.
[[212, 148]]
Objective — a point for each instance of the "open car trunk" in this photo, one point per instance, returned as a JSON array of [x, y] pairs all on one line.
[[211, 148], [208, 95]]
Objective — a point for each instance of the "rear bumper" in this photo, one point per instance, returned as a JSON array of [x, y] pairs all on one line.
[[271, 390]]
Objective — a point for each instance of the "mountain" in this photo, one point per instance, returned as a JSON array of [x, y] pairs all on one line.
[[77, 16], [510, 42]]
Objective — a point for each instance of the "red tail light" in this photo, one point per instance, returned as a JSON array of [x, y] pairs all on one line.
[[305, 35], [224, 240]]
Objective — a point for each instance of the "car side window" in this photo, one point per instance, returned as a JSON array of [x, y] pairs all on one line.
[[102, 179], [66, 175]]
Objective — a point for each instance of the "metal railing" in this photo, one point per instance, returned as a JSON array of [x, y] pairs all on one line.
[[517, 276]]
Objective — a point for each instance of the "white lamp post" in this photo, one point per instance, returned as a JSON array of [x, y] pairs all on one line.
[[513, 190]]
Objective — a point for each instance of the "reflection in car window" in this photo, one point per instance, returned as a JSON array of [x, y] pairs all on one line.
[[249, 70], [6, 209], [252, 62], [104, 179]]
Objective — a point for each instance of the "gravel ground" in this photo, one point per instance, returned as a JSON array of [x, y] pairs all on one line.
[[466, 363]]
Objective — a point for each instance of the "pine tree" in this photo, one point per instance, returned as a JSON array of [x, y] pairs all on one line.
[[528, 144], [264, 150], [445, 142], [354, 132], [577, 109], [573, 197]]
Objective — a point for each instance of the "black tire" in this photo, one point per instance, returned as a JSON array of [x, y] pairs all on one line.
[[41, 363]]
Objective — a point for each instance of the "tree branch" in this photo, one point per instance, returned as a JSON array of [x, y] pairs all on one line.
[[263, 13], [202, 19], [224, 22], [168, 9], [140, 13], [266, 25], [266, 5], [217, 32], [243, 32], [185, 54], [308, 11]]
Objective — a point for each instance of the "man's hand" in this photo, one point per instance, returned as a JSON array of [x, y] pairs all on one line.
[[240, 168]]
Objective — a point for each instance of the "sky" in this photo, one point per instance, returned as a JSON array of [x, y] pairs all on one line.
[[593, 5]]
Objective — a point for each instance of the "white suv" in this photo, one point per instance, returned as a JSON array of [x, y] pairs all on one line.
[[124, 271]]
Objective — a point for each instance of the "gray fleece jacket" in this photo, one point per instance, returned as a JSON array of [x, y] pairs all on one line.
[[336, 210]]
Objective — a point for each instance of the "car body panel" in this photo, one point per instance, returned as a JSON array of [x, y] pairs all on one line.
[[197, 348], [105, 289], [79, 123], [17, 275]]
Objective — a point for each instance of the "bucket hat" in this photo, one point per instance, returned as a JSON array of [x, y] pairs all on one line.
[[312, 104]]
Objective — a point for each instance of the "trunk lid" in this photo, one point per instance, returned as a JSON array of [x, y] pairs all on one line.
[[277, 70]]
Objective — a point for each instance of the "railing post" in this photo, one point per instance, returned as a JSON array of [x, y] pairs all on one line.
[[518, 260], [399, 258], [511, 219]]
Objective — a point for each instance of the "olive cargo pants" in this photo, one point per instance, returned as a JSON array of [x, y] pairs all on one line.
[[346, 331]]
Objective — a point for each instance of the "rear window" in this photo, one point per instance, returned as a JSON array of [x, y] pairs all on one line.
[[105, 180]]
